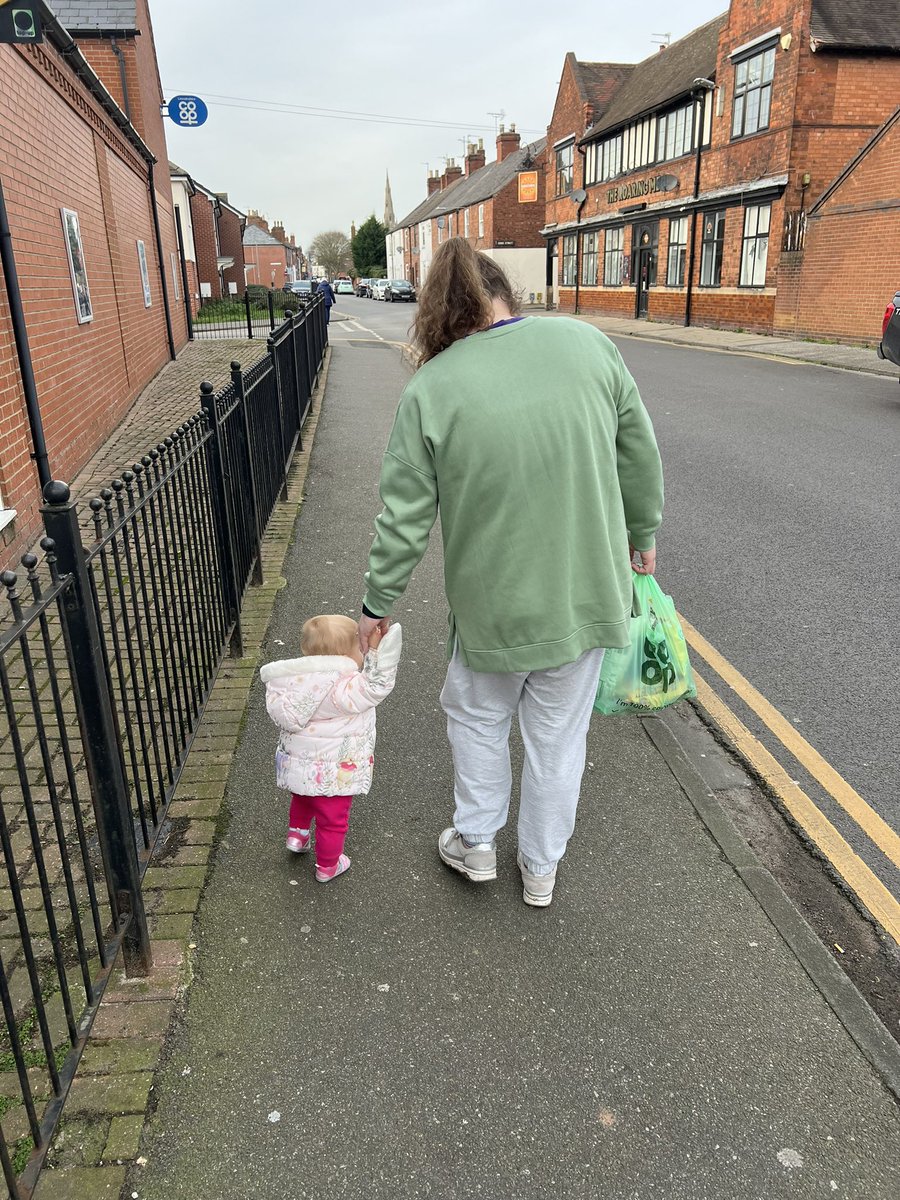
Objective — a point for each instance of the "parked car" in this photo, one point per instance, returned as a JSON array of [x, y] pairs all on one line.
[[343, 287], [400, 289], [364, 287], [301, 287], [889, 346], [379, 287]]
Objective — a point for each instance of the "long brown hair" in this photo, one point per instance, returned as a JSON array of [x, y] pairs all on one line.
[[455, 299]]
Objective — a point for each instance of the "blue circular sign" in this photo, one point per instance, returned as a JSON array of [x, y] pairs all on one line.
[[188, 111]]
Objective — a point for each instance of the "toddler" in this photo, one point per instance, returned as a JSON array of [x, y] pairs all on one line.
[[324, 705]]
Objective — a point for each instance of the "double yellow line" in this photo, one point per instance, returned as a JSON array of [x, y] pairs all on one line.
[[883, 906]]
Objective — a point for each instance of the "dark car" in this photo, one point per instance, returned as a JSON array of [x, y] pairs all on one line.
[[301, 287], [399, 289], [889, 347]]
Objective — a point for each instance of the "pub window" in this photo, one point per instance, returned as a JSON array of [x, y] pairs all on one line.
[[589, 249], [613, 257], [564, 159], [569, 255], [481, 220], [711, 251], [466, 223], [677, 251], [674, 133], [755, 247], [753, 93]]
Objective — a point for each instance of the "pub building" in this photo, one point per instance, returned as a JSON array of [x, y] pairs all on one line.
[[680, 188]]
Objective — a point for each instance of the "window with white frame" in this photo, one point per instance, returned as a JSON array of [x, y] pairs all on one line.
[[675, 133], [753, 92], [481, 220], [613, 257], [712, 245], [755, 246], [440, 229], [569, 255], [564, 168], [450, 225], [466, 223], [678, 229], [589, 256]]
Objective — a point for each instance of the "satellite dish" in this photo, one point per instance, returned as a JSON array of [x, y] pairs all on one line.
[[578, 196], [667, 183]]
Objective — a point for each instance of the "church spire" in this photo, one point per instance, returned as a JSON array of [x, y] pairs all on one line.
[[389, 219]]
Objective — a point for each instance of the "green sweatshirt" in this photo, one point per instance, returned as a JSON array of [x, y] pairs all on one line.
[[534, 443]]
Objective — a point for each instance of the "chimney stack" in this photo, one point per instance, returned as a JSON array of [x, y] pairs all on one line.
[[452, 172], [507, 142], [434, 182], [474, 157], [278, 232]]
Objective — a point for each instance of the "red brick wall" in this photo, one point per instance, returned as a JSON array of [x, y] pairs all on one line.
[[60, 150], [203, 218], [851, 254], [510, 220], [262, 258]]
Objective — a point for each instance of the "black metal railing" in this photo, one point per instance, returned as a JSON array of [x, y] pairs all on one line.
[[108, 653], [255, 314]]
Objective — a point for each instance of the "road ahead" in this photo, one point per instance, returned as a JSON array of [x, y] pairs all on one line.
[[779, 541]]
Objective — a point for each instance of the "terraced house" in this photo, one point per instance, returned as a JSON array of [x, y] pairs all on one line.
[[684, 187]]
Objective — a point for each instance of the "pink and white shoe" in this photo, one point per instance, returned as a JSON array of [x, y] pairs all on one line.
[[298, 841], [324, 874]]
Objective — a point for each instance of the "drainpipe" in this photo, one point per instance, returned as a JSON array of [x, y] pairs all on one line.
[[126, 103], [162, 264], [184, 275], [702, 88], [580, 197], [20, 332]]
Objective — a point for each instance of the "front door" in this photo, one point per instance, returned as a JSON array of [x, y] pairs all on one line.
[[645, 242]]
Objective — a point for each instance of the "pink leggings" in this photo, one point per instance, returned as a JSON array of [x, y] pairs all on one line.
[[332, 817]]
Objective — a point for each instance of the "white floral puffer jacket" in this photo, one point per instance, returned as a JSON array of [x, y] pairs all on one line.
[[325, 708]]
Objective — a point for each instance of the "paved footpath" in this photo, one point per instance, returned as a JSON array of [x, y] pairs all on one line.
[[827, 354], [400, 1034]]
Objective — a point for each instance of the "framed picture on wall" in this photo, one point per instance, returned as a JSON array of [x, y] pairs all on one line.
[[145, 275], [84, 310]]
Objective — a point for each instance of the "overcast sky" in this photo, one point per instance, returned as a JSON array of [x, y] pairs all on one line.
[[451, 64]]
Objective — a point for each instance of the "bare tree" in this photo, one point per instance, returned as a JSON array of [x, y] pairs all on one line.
[[331, 251]]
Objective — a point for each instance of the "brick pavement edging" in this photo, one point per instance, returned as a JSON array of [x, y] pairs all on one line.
[[99, 1134]]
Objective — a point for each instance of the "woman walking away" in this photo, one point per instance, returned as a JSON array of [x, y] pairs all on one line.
[[530, 436]]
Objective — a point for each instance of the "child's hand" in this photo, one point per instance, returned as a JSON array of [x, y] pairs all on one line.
[[375, 638]]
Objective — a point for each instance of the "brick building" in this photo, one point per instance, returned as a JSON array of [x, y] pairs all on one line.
[[271, 258], [93, 246], [646, 217], [212, 233], [498, 207]]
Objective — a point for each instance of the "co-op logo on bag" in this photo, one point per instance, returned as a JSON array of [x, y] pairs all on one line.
[[656, 666]]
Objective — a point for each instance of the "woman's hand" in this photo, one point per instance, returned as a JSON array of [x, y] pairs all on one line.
[[367, 627], [647, 564]]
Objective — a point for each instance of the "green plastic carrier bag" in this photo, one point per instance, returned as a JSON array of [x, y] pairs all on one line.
[[654, 671]]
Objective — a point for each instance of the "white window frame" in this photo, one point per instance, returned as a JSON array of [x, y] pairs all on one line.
[[679, 225], [466, 223], [565, 166], [481, 220], [760, 90], [590, 258], [568, 261], [613, 257], [7, 515], [755, 245]]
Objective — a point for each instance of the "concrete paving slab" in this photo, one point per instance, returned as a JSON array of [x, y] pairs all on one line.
[[400, 1033]]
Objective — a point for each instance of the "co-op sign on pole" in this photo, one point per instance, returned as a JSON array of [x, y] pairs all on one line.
[[186, 111]]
